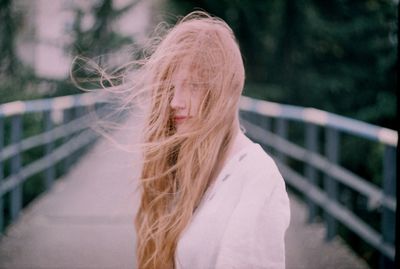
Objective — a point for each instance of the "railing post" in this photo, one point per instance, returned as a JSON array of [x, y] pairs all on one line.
[[330, 184], [1, 173], [16, 193], [310, 171], [67, 116], [50, 172], [282, 131], [78, 113], [265, 123], [388, 225]]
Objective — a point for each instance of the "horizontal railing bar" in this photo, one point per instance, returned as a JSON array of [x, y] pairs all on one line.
[[320, 117], [45, 137], [373, 193], [58, 154], [342, 214], [55, 103]]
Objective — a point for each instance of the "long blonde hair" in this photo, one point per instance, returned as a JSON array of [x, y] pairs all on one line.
[[179, 167]]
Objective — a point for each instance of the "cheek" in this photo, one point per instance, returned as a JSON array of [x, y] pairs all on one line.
[[196, 102]]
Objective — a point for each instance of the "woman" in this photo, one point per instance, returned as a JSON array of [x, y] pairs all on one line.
[[210, 197]]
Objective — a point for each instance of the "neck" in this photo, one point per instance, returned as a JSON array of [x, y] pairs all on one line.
[[239, 140]]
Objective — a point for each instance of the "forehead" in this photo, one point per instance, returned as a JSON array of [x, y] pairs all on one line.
[[191, 70]]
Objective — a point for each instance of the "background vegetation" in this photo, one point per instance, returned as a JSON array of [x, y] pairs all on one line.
[[334, 55]]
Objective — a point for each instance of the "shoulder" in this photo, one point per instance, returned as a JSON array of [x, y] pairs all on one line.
[[258, 177], [263, 160], [254, 236], [261, 171]]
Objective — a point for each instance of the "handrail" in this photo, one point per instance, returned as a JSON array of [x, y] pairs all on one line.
[[321, 118], [45, 137], [45, 104], [373, 193], [328, 163], [312, 118], [340, 212], [58, 154], [71, 128]]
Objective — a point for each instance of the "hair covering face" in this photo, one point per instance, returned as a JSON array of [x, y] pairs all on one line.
[[200, 57]]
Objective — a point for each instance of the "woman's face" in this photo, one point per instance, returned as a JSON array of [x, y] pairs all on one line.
[[187, 97]]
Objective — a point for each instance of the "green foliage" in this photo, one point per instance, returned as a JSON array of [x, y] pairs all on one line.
[[100, 37], [96, 43], [17, 82], [335, 55], [18, 87], [8, 59]]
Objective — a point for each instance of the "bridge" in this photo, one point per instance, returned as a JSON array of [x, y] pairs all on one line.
[[83, 217]]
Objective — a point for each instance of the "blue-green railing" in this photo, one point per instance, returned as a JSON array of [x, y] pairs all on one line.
[[258, 126], [61, 123], [64, 119]]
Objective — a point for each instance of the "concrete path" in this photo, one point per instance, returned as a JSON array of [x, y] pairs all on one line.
[[86, 221], [306, 248]]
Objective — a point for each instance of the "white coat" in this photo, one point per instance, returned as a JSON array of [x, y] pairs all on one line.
[[242, 219]]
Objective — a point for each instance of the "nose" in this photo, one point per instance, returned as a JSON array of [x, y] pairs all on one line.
[[178, 99]]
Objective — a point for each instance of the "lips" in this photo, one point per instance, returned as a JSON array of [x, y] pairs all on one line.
[[179, 119]]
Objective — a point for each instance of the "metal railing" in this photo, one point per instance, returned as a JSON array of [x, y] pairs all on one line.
[[65, 118], [325, 197], [64, 131]]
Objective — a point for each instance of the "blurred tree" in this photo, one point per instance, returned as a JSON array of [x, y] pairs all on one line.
[[99, 39], [351, 49], [255, 24], [8, 59], [336, 55], [15, 78]]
